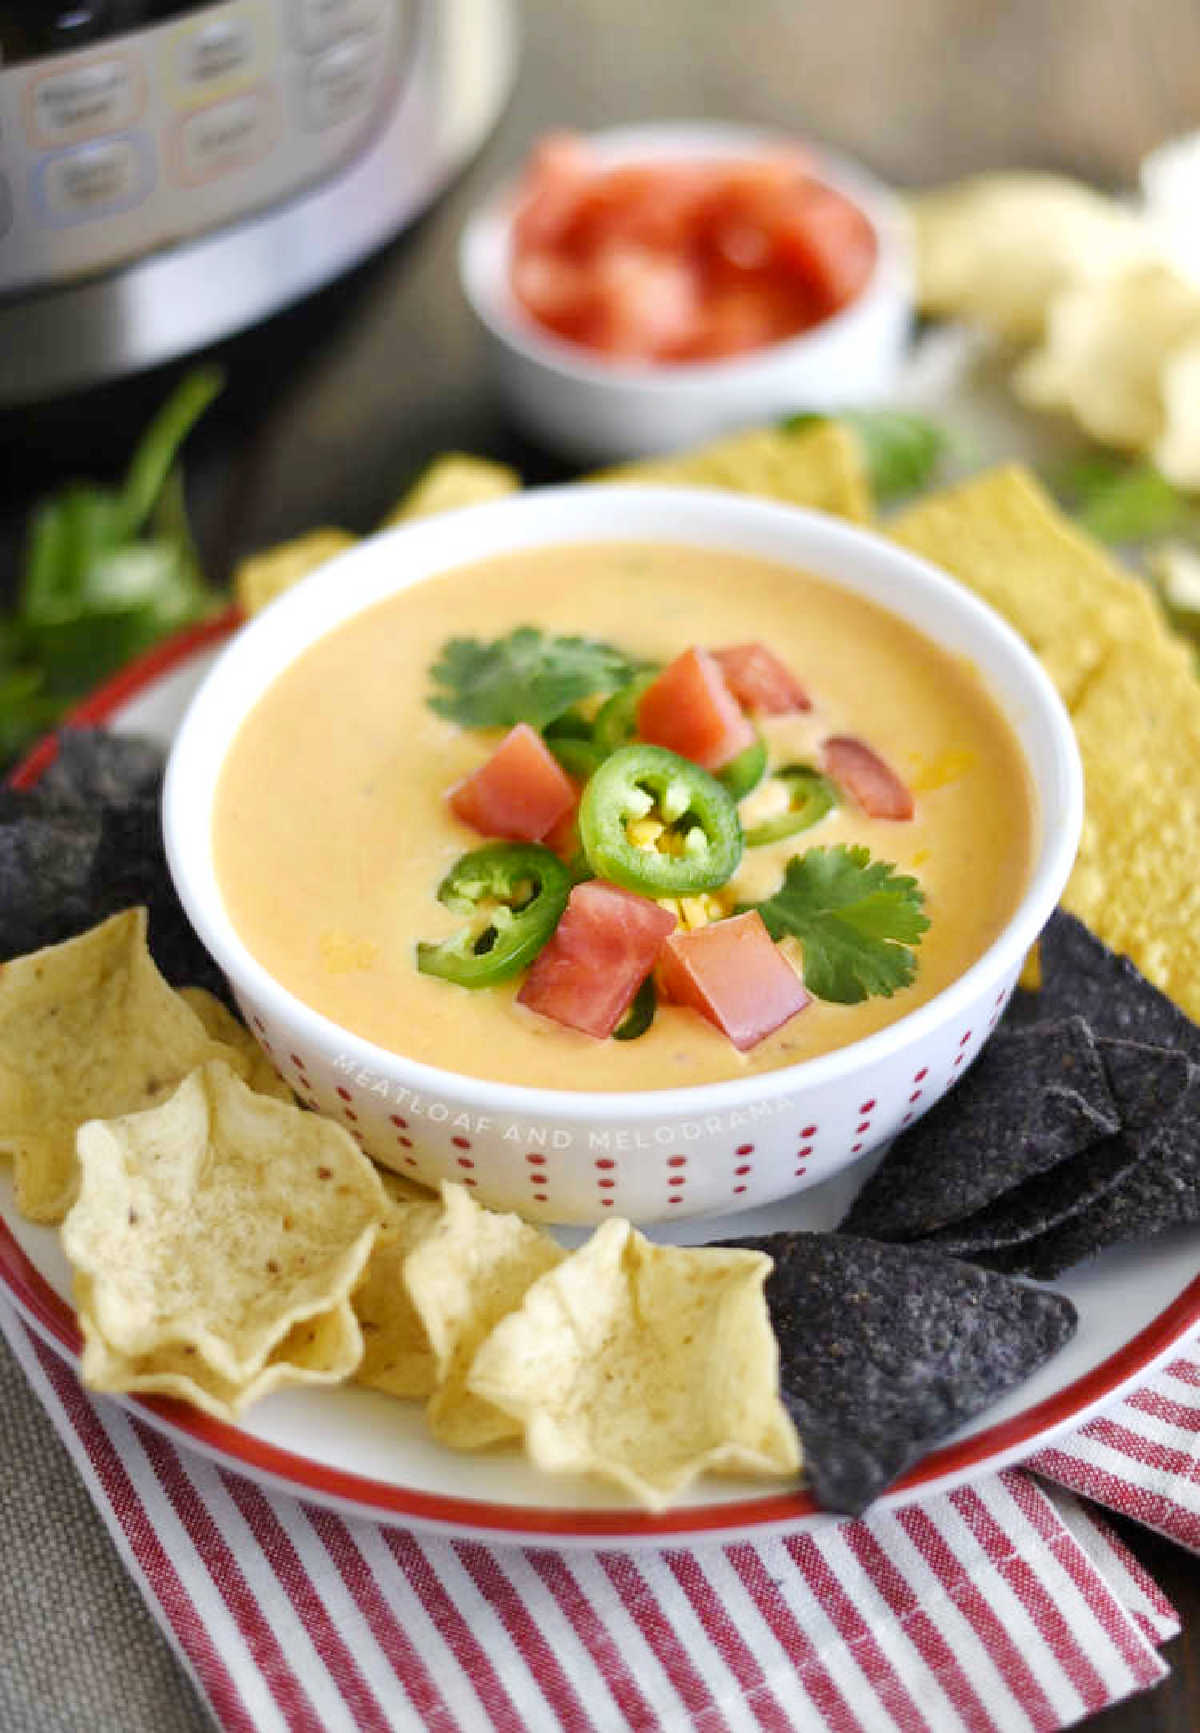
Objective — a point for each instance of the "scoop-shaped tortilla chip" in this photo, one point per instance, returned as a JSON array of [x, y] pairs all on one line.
[[321, 1350], [218, 1221], [397, 1354], [88, 1029], [221, 1024], [1105, 350], [993, 250], [465, 1274], [646, 1365]]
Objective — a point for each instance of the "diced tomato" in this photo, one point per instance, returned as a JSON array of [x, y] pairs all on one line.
[[521, 792], [760, 681], [603, 948], [830, 242], [682, 260], [690, 710], [864, 776], [733, 974]]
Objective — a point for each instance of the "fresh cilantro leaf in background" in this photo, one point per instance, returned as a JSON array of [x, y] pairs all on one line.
[[1117, 500], [524, 677], [902, 449], [855, 919], [107, 572]]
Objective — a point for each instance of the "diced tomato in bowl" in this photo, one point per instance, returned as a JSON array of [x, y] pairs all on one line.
[[690, 710], [734, 974], [605, 945], [522, 792], [760, 681], [860, 771]]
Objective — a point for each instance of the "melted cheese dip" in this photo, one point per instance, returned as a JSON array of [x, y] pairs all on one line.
[[332, 831]]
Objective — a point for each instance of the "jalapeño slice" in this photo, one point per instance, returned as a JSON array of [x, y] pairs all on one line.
[[640, 1014], [520, 890], [810, 797], [745, 771], [616, 719], [699, 843]]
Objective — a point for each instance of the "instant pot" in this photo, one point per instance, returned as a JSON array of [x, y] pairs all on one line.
[[170, 172]]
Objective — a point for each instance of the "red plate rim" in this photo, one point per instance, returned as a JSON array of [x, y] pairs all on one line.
[[51, 1314]]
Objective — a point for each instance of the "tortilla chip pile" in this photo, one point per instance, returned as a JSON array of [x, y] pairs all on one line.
[[1078, 1128], [226, 1242], [1134, 699], [1114, 325]]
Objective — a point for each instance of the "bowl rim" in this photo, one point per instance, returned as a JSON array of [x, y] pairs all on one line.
[[489, 226], [322, 597]]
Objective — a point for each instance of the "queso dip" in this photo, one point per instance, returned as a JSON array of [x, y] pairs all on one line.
[[332, 829]]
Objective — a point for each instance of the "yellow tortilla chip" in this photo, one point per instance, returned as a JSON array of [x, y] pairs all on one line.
[[263, 576], [323, 1349], [88, 1029], [453, 481], [221, 1024], [995, 249], [397, 1354], [646, 1365], [1105, 350], [1004, 537], [218, 1221], [820, 466], [469, 1271], [1136, 881]]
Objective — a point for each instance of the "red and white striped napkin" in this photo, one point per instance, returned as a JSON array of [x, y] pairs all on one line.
[[1002, 1606]]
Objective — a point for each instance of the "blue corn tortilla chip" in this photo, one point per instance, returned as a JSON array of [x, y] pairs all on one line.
[[884, 1350], [1147, 1084], [45, 872], [1034, 1098], [85, 842], [1081, 976], [94, 768], [1161, 1191]]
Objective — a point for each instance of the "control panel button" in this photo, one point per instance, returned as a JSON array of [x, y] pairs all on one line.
[[83, 101], [97, 180], [216, 52], [226, 136], [320, 23], [340, 85]]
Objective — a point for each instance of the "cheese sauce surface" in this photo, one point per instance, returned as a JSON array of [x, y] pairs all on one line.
[[332, 832]]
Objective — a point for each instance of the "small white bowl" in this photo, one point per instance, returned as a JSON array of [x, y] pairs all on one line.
[[574, 1155], [593, 410]]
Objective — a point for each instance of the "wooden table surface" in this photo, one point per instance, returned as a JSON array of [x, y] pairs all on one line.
[[331, 409]]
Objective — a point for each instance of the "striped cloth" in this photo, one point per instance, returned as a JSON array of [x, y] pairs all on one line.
[[1002, 1606]]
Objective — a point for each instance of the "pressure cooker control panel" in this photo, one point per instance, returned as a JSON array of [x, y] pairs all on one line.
[[141, 140]]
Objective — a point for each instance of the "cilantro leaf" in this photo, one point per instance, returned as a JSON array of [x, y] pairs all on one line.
[[901, 449], [855, 919], [524, 677], [1121, 501]]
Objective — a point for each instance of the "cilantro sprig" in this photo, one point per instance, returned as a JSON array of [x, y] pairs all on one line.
[[856, 920], [902, 450], [526, 676], [107, 571]]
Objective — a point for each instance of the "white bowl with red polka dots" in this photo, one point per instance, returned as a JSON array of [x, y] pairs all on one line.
[[651, 1155]]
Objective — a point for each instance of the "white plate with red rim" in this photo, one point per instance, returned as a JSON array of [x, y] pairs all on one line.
[[365, 1454]]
